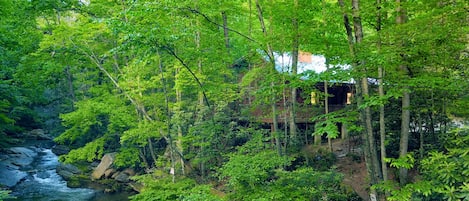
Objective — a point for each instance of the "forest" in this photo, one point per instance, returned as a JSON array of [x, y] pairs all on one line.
[[222, 100]]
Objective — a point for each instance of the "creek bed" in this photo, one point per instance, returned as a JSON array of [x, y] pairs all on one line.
[[43, 183]]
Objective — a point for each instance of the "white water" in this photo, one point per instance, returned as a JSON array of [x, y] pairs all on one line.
[[44, 184]]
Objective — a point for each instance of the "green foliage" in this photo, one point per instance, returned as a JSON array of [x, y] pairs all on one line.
[[444, 173], [144, 130], [321, 160], [161, 187], [456, 107], [411, 191], [406, 162], [308, 184], [16, 101], [201, 193], [127, 157], [256, 173], [91, 151], [119, 73], [94, 128], [5, 194], [247, 171], [448, 171], [5, 121], [327, 123]]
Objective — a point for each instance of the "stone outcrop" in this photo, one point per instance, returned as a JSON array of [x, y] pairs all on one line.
[[109, 172], [106, 163], [129, 171], [60, 150], [11, 163], [122, 177], [37, 134], [113, 177], [137, 187], [67, 171]]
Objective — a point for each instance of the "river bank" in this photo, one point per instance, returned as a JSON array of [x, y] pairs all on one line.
[[29, 170]]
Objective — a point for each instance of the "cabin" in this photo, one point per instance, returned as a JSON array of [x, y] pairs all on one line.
[[310, 100]]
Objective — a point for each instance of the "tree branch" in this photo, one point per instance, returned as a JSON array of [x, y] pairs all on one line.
[[195, 11], [171, 52]]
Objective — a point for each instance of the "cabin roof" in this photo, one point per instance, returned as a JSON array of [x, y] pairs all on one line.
[[307, 63]]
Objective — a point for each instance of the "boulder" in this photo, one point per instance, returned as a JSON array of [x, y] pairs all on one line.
[[106, 163], [21, 156], [94, 164], [67, 171], [38, 134], [122, 177], [109, 172], [136, 186], [13, 160], [60, 150], [69, 168], [114, 175], [129, 171], [65, 174], [9, 177]]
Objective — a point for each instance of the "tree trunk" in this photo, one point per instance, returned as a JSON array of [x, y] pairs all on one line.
[[382, 126], [405, 116], [179, 128], [404, 142], [371, 158], [144, 158], [365, 93], [201, 98], [359, 96], [421, 136], [270, 54], [275, 132], [225, 31], [71, 90], [326, 110], [286, 117], [152, 151], [295, 51], [348, 30]]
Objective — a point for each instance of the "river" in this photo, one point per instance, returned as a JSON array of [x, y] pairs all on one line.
[[44, 184]]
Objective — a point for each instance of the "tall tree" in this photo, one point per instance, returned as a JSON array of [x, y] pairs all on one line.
[[362, 91], [382, 125], [295, 51], [405, 116]]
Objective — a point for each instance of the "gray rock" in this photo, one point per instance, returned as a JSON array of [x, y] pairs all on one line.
[[122, 177], [129, 171], [136, 186], [67, 171], [60, 150], [38, 134], [69, 168], [11, 164], [10, 176], [21, 156], [65, 174], [94, 164]]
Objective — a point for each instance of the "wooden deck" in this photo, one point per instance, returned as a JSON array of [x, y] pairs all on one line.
[[304, 113]]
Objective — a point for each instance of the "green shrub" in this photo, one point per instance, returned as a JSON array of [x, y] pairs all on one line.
[[5, 194]]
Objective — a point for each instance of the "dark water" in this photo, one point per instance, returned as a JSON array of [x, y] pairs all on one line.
[[44, 184]]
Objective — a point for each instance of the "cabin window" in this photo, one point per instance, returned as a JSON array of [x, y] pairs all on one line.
[[349, 98], [314, 100]]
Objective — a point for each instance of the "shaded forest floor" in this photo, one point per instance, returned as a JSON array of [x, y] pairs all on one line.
[[350, 163], [355, 175]]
